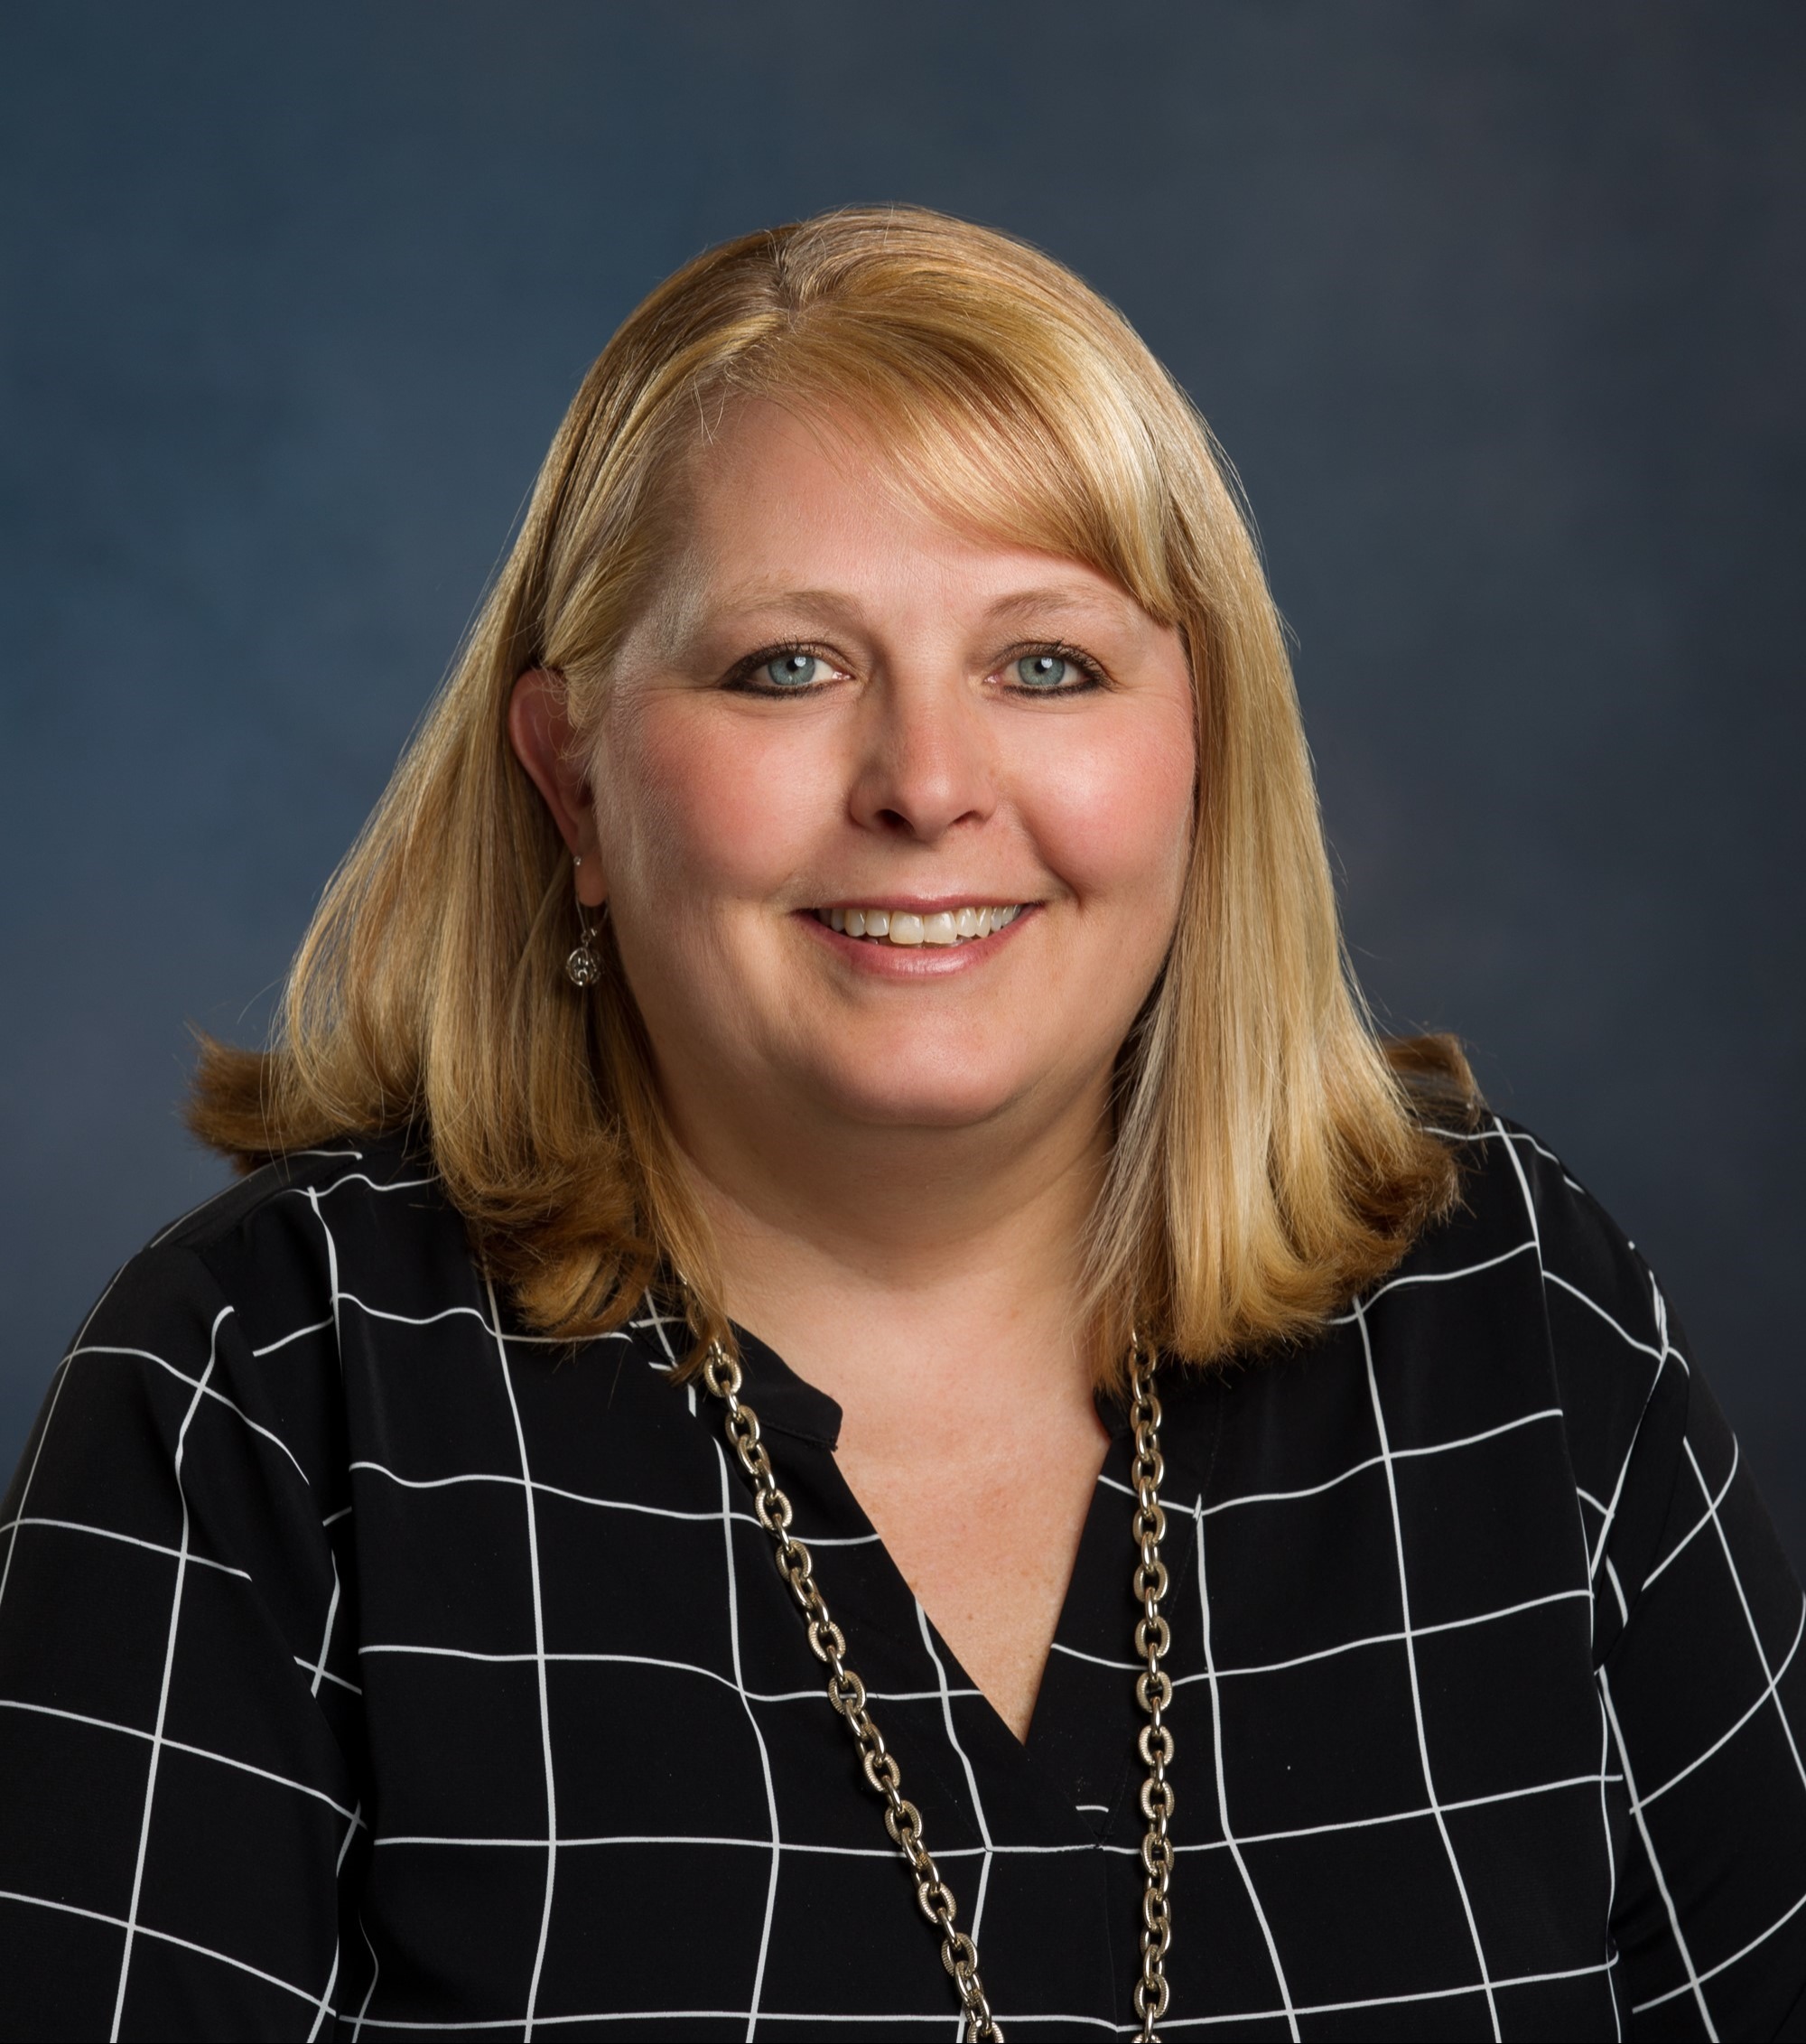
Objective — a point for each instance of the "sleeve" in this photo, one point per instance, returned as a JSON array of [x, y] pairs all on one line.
[[178, 1777], [1704, 1695]]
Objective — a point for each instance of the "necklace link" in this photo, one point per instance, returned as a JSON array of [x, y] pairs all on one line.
[[1154, 1692], [846, 1694]]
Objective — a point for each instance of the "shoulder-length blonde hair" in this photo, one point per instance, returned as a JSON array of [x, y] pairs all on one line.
[[1267, 1161]]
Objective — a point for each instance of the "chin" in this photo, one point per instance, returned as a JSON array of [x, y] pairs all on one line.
[[932, 1100]]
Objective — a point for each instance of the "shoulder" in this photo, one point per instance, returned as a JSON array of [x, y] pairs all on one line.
[[234, 1310], [275, 1243], [1521, 1203], [1529, 1296], [377, 1184]]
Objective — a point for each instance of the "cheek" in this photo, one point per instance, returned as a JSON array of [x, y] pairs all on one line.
[[699, 806], [1112, 811]]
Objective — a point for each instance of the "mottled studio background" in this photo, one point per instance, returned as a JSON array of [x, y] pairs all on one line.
[[1498, 308]]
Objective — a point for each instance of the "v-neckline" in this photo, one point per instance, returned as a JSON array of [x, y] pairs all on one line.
[[1081, 1648]]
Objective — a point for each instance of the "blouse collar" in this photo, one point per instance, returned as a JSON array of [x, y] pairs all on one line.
[[784, 1401], [789, 1404]]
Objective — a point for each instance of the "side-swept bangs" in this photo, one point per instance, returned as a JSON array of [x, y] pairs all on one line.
[[1019, 430], [1266, 1161]]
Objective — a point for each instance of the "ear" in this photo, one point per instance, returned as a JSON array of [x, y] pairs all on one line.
[[539, 729]]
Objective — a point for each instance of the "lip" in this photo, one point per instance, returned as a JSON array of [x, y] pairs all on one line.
[[911, 961], [923, 904]]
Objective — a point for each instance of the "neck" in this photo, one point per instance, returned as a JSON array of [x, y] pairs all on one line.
[[926, 1279]]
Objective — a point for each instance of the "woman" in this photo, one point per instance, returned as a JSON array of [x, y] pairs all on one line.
[[834, 1047]]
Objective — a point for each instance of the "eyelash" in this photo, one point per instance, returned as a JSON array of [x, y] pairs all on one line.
[[740, 676], [1093, 674]]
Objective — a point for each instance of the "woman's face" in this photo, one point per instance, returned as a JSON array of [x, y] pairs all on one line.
[[841, 713]]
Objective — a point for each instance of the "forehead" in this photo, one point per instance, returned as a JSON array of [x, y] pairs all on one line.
[[781, 503]]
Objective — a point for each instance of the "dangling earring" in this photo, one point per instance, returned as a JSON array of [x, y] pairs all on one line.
[[582, 967]]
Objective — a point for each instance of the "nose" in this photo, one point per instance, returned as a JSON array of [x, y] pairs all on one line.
[[927, 760]]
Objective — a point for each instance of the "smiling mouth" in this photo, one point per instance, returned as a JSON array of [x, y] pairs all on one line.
[[899, 926]]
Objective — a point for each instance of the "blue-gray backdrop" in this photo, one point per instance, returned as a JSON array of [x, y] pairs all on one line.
[[1497, 307]]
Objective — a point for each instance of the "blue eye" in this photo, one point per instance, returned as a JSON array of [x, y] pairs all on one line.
[[1043, 670], [791, 670]]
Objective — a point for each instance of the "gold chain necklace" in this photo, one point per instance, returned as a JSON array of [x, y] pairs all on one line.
[[846, 1693]]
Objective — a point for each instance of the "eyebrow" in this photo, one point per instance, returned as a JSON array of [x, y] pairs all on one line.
[[829, 602], [1027, 602]]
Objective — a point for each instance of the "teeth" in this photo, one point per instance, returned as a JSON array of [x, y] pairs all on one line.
[[945, 926]]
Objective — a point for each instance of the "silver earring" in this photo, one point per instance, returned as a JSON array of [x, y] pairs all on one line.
[[582, 967]]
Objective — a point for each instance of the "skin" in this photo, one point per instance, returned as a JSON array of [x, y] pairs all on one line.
[[898, 1149]]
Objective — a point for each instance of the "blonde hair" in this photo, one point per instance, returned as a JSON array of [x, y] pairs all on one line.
[[1267, 1160]]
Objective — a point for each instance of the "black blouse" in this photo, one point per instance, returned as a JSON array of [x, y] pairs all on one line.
[[370, 1665]]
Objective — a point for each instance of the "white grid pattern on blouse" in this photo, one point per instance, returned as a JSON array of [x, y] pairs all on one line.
[[1698, 1976]]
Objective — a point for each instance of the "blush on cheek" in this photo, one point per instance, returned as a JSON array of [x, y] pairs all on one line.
[[1114, 817], [714, 806]]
